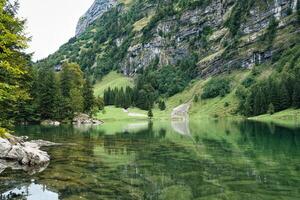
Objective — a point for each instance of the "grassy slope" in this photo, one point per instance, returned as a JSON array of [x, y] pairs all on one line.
[[202, 109], [112, 80], [112, 113], [211, 107], [290, 118]]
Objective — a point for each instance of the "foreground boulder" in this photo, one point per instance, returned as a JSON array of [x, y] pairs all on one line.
[[16, 153]]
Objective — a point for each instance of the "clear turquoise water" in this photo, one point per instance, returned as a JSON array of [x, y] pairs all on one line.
[[202, 160]]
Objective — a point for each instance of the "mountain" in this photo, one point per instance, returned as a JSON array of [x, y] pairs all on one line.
[[183, 39], [98, 8], [224, 34]]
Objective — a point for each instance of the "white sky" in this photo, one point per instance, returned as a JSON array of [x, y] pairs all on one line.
[[51, 23]]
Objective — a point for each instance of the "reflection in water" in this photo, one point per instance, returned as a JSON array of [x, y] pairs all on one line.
[[30, 192], [181, 126], [206, 160]]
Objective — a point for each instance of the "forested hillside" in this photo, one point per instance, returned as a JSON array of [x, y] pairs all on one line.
[[166, 45]]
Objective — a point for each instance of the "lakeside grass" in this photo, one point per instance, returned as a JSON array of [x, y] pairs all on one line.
[[112, 113], [219, 107], [288, 118], [223, 107], [112, 80]]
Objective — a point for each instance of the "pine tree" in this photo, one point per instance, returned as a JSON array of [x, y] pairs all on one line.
[[271, 109], [275, 96], [296, 95], [284, 98], [47, 94], [88, 96], [259, 103], [162, 105], [150, 114]]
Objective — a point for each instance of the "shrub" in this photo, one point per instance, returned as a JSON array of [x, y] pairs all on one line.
[[216, 87], [226, 104]]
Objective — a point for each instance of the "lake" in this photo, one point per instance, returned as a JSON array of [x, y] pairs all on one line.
[[210, 159]]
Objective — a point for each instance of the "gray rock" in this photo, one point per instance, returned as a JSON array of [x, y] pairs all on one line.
[[50, 123], [84, 119], [17, 154], [98, 8]]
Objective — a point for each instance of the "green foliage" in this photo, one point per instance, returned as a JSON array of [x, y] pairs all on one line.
[[238, 15], [60, 95], [270, 34], [278, 92], [249, 81], [3, 133], [76, 100], [162, 105], [47, 94], [88, 96], [271, 109], [13, 63], [196, 98], [150, 114], [298, 11], [119, 97], [216, 87]]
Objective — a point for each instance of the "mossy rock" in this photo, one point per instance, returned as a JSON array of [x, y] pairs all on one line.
[[4, 133]]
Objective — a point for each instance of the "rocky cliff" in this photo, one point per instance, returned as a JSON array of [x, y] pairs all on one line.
[[98, 8], [224, 34]]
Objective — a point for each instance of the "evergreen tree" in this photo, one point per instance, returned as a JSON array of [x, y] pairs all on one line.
[[259, 103], [128, 97], [71, 77], [296, 95], [88, 96], [150, 114], [275, 96], [76, 100], [13, 63], [284, 98], [271, 109], [162, 105], [47, 94]]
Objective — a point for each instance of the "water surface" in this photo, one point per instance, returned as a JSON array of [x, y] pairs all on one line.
[[163, 160]]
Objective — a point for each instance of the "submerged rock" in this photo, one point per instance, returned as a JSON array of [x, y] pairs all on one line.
[[16, 153]]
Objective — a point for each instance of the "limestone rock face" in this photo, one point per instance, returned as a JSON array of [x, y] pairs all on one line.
[[183, 36], [98, 8]]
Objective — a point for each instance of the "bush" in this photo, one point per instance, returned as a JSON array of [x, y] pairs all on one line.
[[162, 105], [216, 87], [226, 104]]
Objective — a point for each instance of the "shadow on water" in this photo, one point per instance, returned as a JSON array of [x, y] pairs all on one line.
[[215, 159]]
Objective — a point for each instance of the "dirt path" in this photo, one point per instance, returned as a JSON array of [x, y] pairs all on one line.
[[182, 111]]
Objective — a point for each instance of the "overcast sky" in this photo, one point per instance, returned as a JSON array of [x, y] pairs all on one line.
[[51, 23]]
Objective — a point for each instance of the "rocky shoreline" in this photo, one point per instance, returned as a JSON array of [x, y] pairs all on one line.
[[18, 153], [79, 119]]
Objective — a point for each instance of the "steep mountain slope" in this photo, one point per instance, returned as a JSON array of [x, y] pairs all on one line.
[[98, 8], [183, 39], [224, 34]]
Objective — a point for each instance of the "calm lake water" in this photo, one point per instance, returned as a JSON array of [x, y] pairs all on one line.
[[163, 160]]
